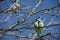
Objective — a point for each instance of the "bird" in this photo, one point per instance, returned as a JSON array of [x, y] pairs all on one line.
[[39, 26], [16, 7]]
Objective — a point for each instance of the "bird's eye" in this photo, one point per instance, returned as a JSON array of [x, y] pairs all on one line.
[[38, 22]]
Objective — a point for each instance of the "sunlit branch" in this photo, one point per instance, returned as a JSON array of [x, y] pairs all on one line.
[[28, 25], [24, 19], [42, 37], [9, 9], [6, 19]]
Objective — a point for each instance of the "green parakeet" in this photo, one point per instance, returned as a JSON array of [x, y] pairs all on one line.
[[39, 27], [16, 7]]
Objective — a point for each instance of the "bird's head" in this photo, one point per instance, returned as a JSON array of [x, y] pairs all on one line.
[[36, 23], [40, 23]]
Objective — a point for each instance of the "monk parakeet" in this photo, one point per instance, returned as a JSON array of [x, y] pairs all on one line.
[[39, 27], [16, 7]]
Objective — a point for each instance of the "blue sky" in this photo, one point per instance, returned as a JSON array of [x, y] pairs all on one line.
[[29, 5]]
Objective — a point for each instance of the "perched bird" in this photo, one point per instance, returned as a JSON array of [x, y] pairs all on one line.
[[16, 7], [39, 26]]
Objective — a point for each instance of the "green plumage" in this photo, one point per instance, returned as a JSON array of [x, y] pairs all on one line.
[[39, 27], [39, 31], [16, 7]]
